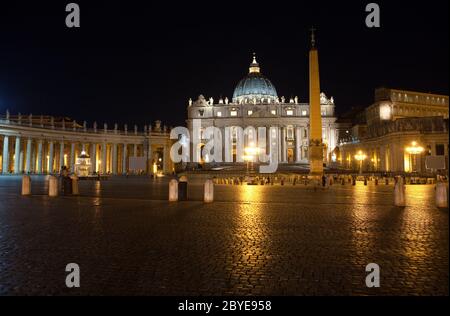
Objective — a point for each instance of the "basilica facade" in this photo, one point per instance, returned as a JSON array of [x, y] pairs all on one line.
[[256, 103]]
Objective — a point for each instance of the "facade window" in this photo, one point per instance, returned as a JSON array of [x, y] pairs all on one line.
[[290, 132], [233, 113], [440, 150], [273, 112], [219, 114], [249, 112], [304, 113], [289, 112], [200, 112]]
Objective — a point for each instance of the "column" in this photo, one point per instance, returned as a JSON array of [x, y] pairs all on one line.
[[382, 156], [39, 158], [228, 145], [298, 143], [262, 140], [72, 157], [93, 157], [283, 141], [114, 159], [166, 164], [28, 160], [50, 157], [21, 161], [280, 143], [150, 155], [103, 161], [61, 154], [135, 150], [5, 154], [17, 156], [124, 158]]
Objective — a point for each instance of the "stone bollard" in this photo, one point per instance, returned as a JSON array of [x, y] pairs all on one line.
[[173, 190], [354, 181], [282, 181], [209, 191], [386, 181], [441, 195], [365, 181], [343, 181], [52, 186], [26, 185], [376, 181], [399, 192], [75, 190], [183, 189]]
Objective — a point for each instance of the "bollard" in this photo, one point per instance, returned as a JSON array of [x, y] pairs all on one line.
[[441, 195], [365, 181], [331, 181], [282, 181], [376, 181], [75, 190], [209, 191], [387, 181], [52, 186], [173, 190], [399, 192], [343, 181], [354, 181], [26, 185], [182, 189]]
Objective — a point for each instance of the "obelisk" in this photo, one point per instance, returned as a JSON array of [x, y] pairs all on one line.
[[315, 116]]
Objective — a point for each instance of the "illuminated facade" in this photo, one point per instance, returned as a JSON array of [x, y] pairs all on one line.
[[255, 103], [43, 144], [405, 131]]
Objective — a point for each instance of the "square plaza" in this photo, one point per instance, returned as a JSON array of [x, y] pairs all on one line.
[[253, 240]]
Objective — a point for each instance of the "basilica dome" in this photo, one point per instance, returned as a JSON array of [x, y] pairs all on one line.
[[254, 86]]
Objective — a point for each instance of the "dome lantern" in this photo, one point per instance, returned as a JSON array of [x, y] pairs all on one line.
[[254, 86]]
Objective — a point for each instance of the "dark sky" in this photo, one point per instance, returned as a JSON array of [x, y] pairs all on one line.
[[133, 62]]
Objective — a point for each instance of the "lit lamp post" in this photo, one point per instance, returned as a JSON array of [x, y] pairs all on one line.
[[413, 150], [360, 156], [250, 153]]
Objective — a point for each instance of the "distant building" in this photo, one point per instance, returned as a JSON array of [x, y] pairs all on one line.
[[403, 131]]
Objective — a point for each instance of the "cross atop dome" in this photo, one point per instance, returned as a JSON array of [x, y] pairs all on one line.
[[254, 66]]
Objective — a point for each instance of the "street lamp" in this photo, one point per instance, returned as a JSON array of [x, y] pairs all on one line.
[[250, 153], [360, 156], [413, 150]]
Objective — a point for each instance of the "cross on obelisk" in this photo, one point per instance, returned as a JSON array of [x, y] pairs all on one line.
[[313, 37]]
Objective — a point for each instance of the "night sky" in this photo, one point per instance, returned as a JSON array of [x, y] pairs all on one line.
[[133, 62]]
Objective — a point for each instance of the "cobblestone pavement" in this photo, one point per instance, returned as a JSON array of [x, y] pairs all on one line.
[[255, 240]]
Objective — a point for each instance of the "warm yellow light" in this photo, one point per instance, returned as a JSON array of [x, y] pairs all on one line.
[[360, 156], [414, 149]]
